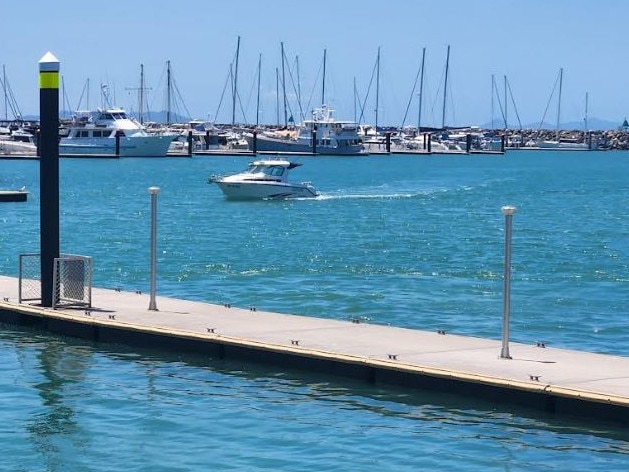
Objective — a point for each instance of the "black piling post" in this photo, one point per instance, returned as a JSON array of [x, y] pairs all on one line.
[[429, 143], [190, 143], [468, 143], [387, 141], [49, 172], [254, 142], [118, 133], [207, 139], [425, 139], [314, 140], [502, 143]]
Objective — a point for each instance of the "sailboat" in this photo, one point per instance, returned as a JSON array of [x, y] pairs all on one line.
[[563, 143]]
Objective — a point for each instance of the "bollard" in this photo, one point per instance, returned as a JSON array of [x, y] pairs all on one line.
[[153, 191], [254, 142], [508, 211], [48, 172], [118, 134]]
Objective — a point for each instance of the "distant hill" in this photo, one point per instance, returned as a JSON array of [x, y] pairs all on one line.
[[594, 124]]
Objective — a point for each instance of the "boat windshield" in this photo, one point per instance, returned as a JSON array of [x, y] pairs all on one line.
[[276, 171]]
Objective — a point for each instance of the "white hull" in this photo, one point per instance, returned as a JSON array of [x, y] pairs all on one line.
[[264, 190], [559, 145], [16, 147], [133, 146], [269, 144]]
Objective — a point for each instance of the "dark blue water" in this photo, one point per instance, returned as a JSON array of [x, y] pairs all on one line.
[[403, 240]]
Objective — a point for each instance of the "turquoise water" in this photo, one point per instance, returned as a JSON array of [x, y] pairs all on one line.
[[403, 240]]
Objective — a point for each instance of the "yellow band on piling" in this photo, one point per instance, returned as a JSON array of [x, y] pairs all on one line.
[[49, 80]]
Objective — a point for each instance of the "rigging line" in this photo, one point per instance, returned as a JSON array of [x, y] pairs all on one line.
[[183, 103], [497, 94], [313, 86], [220, 102], [357, 95], [548, 104], [12, 102], [410, 99], [159, 86], [290, 74], [515, 108], [373, 73], [290, 110], [85, 85], [244, 117], [434, 103], [253, 86]]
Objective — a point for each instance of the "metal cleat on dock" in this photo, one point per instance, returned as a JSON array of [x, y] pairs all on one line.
[[441, 331], [540, 344], [392, 357], [294, 342], [210, 330], [534, 378]]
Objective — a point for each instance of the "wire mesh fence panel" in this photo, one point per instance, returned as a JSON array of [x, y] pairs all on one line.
[[72, 281], [29, 278]]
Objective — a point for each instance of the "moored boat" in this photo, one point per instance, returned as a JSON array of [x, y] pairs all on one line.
[[97, 133], [333, 137]]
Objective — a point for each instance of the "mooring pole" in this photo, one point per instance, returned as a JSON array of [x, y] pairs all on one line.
[[153, 191], [48, 172], [508, 211]]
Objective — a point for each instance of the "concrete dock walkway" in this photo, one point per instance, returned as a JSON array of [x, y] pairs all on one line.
[[556, 380]]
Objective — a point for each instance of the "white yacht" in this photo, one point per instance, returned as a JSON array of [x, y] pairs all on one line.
[[333, 137], [95, 133], [264, 179]]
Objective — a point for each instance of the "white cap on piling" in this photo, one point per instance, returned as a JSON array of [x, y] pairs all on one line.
[[49, 63], [153, 190], [508, 210]]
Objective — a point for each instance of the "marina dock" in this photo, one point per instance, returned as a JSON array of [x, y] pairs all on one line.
[[13, 195], [559, 381]]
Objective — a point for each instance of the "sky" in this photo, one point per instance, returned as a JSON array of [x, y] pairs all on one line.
[[528, 42]]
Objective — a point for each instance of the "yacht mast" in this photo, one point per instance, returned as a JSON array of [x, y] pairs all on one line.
[[235, 84], [141, 92], [506, 121], [445, 91], [168, 88], [284, 86], [585, 119], [421, 92], [377, 86], [258, 99], [299, 88], [4, 87], [493, 88], [277, 95], [355, 99], [323, 81], [559, 103]]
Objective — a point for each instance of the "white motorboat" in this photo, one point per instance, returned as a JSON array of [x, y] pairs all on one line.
[[264, 179], [95, 133]]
